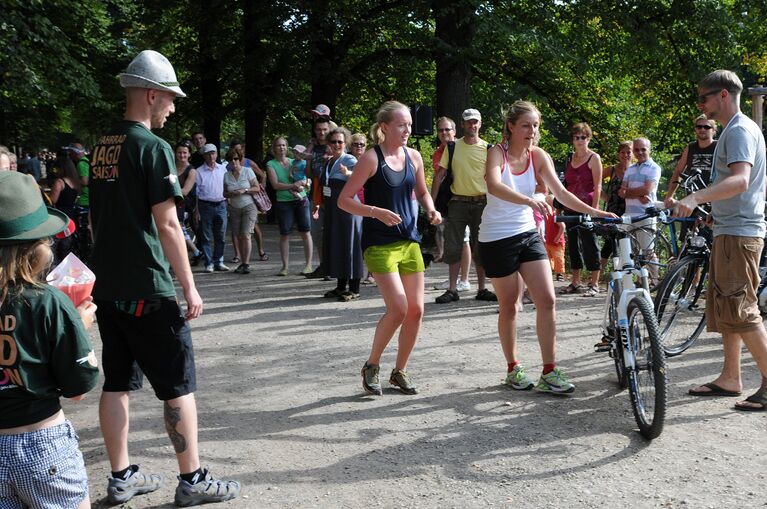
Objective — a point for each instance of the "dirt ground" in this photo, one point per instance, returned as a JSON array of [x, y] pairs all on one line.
[[281, 409]]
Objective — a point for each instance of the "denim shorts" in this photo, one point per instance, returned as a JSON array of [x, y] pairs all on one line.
[[42, 469], [291, 213], [147, 337]]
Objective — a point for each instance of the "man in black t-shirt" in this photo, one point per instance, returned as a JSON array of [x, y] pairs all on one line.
[[134, 191]]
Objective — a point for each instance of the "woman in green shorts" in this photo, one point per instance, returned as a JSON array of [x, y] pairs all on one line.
[[392, 175]]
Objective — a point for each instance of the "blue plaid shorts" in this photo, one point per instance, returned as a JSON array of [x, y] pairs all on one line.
[[42, 469]]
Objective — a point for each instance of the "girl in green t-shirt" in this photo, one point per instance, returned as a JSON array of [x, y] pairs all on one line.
[[45, 353]]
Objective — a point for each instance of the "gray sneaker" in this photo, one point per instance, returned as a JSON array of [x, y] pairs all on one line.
[[401, 380], [370, 381], [205, 490], [122, 490]]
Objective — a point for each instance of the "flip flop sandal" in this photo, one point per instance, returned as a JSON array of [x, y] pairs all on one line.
[[714, 390], [759, 398], [236, 259], [264, 257]]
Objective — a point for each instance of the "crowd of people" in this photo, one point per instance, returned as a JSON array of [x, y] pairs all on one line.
[[358, 207]]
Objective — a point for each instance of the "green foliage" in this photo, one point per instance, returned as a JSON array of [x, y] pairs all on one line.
[[626, 68]]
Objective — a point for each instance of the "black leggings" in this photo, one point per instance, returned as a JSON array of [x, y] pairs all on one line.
[[582, 248]]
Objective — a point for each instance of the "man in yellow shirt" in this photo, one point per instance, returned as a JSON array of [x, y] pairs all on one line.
[[467, 203]]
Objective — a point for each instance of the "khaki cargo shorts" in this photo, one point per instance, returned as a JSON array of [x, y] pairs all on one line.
[[731, 300]]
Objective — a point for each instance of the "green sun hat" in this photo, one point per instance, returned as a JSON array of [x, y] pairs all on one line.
[[23, 215]]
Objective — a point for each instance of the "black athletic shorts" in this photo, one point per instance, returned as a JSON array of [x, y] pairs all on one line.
[[502, 258], [146, 337]]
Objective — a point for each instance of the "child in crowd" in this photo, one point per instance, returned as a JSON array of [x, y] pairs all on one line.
[[298, 173], [46, 355], [555, 242]]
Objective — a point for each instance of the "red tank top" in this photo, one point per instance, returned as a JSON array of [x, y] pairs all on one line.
[[579, 180]]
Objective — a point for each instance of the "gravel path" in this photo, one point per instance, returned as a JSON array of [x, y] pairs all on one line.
[[282, 410]]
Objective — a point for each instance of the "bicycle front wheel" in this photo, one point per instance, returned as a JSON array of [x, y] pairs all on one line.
[[647, 379], [680, 305], [617, 345]]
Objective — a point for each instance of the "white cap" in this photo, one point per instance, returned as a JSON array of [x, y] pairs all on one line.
[[208, 148], [152, 70]]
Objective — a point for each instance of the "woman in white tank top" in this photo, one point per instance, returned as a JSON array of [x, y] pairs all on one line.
[[511, 247]]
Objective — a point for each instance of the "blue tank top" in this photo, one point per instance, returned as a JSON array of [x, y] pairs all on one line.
[[393, 190]]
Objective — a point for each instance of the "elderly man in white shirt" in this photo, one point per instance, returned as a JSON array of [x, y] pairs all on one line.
[[211, 209]]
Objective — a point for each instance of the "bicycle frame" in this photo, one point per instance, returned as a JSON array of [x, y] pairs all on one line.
[[623, 279]]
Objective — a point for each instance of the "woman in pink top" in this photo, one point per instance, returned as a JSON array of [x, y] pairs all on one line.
[[583, 178]]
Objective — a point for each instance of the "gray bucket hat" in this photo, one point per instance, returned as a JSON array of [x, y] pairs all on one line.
[[150, 69]]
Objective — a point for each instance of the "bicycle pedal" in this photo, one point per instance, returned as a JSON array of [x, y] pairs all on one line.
[[604, 346]]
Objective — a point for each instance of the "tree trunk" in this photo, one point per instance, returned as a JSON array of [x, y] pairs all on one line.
[[253, 77], [208, 72], [455, 28]]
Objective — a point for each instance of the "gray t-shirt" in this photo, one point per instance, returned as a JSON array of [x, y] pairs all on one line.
[[741, 215]]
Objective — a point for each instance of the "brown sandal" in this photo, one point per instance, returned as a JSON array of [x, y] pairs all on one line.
[[571, 288]]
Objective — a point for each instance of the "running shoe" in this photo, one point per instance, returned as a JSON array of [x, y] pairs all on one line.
[[370, 381], [209, 268], [122, 490], [205, 490], [401, 380], [221, 268], [463, 286], [554, 381], [283, 272], [518, 379]]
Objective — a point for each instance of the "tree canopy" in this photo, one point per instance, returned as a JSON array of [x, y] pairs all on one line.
[[253, 70]]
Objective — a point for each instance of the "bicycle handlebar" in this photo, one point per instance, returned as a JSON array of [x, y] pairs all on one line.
[[585, 218]]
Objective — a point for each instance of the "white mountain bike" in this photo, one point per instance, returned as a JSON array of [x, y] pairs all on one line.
[[630, 328]]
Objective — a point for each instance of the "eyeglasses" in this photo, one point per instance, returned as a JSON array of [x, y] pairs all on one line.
[[706, 127], [445, 130], [580, 137], [337, 142], [359, 144], [702, 97]]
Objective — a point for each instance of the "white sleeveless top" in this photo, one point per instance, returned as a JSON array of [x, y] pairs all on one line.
[[502, 219]]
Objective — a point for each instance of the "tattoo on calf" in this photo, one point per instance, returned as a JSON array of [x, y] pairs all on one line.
[[172, 418]]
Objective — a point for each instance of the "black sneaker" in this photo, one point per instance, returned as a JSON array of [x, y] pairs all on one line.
[[448, 296], [195, 259]]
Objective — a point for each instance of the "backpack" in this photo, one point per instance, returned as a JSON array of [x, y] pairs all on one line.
[[445, 194]]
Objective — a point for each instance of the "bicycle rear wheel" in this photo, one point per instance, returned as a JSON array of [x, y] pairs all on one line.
[[647, 380], [680, 305]]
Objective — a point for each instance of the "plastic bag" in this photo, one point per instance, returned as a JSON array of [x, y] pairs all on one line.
[[73, 278]]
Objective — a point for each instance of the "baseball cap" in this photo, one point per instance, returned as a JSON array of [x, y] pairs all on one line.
[[471, 114], [321, 110], [209, 147], [75, 147]]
